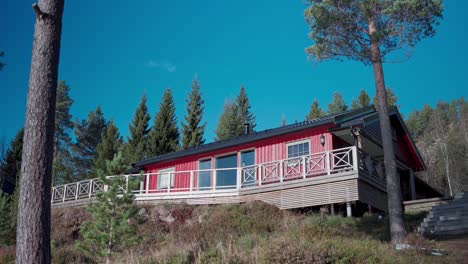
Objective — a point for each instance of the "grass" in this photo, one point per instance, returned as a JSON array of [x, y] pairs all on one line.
[[249, 233]]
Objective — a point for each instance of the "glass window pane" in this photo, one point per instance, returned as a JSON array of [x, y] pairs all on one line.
[[204, 176], [226, 177]]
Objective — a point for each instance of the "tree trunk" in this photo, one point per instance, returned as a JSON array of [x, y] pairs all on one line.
[[33, 230], [395, 210]]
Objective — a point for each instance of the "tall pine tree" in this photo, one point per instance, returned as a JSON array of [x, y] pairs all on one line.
[[243, 110], [88, 134], [338, 105], [192, 128], [110, 145], [10, 167], [62, 169], [228, 123], [363, 100], [164, 136], [136, 147], [315, 111]]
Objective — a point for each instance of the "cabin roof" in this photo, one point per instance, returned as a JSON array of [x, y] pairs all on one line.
[[255, 136]]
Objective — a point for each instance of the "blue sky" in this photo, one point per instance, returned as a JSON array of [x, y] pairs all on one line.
[[114, 51]]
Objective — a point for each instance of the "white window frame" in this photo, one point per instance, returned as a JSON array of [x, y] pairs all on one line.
[[296, 143], [167, 172]]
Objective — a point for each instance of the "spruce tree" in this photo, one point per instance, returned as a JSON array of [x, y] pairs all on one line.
[[315, 111], [106, 150], [228, 124], [192, 129], [136, 147], [88, 134], [243, 110], [338, 104], [11, 165], [112, 227], [363, 100], [164, 136], [62, 169], [7, 226]]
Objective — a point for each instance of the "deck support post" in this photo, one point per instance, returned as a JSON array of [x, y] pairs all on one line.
[[348, 209], [332, 209], [413, 185]]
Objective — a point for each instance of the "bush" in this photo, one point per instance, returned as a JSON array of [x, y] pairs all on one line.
[[69, 255], [293, 251]]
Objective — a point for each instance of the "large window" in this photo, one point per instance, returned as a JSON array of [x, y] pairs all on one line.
[[297, 149], [227, 177], [166, 178], [204, 177]]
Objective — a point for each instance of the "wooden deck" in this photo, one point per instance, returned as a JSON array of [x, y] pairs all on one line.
[[332, 177]]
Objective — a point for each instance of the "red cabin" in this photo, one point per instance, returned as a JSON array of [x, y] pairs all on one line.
[[336, 161]]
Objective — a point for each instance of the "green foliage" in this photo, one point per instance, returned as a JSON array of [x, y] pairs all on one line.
[[228, 123], [10, 166], [7, 227], [136, 148], [441, 135], [315, 111], [192, 129], [235, 115], [62, 168], [338, 105], [339, 28], [88, 134], [106, 150], [164, 136], [363, 100], [112, 227], [391, 99]]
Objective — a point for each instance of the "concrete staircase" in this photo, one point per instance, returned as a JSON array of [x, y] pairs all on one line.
[[448, 219]]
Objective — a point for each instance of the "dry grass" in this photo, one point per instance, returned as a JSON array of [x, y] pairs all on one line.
[[250, 233]]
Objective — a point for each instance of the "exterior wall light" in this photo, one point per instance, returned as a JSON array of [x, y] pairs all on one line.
[[322, 140]]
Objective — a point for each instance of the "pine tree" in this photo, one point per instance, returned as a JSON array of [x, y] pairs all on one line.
[[315, 111], [164, 136], [367, 31], [243, 110], [363, 100], [228, 124], [391, 99], [192, 129], [112, 227], [136, 148], [11, 165], [62, 169], [106, 150], [33, 229], [338, 104], [88, 134]]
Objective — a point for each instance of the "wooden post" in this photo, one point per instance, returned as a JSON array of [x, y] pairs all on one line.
[[413, 185], [304, 175], [281, 170], [348, 209], [214, 178], [90, 188], [77, 189], [355, 158], [64, 193], [239, 178], [327, 162], [259, 175], [147, 183]]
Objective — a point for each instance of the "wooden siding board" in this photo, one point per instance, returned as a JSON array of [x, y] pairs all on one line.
[[372, 196]]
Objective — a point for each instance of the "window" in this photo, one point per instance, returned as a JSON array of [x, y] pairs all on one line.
[[297, 149], [166, 177], [226, 178], [204, 177]]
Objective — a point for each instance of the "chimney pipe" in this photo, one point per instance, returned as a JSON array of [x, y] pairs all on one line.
[[246, 128]]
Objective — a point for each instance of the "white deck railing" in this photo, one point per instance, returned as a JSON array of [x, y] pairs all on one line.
[[188, 182]]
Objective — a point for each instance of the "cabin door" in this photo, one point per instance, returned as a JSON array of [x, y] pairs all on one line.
[[226, 172]]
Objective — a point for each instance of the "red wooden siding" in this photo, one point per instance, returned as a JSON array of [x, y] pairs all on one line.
[[266, 150]]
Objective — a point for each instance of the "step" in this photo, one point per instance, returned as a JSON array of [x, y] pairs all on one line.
[[446, 232], [445, 228], [454, 222], [449, 209]]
